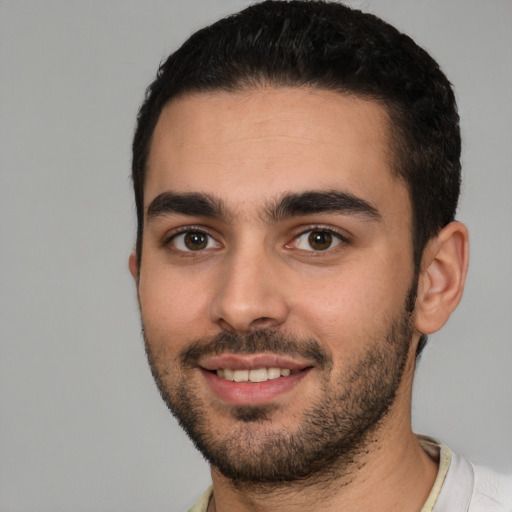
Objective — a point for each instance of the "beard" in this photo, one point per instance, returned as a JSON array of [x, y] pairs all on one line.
[[328, 436]]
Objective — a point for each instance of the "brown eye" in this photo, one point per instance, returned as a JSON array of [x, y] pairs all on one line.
[[190, 241], [320, 240], [317, 240], [195, 241]]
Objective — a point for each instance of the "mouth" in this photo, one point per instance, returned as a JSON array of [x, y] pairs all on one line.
[[252, 379]]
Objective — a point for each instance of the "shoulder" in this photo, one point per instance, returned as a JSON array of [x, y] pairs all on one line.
[[471, 488], [462, 486], [492, 491]]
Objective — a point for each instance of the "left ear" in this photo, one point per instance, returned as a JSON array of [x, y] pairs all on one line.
[[444, 267]]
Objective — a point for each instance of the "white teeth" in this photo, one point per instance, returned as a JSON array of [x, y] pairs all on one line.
[[255, 375], [274, 373], [259, 375], [241, 375], [228, 374]]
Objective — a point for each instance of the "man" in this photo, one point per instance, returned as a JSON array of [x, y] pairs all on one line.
[[296, 173]]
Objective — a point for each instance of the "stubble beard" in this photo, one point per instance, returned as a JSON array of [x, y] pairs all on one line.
[[330, 436]]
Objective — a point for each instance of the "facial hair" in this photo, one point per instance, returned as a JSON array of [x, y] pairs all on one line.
[[328, 436]]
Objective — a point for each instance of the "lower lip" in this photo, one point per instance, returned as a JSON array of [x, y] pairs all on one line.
[[252, 393]]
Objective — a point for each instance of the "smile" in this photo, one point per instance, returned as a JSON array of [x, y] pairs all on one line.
[[252, 379], [254, 375]]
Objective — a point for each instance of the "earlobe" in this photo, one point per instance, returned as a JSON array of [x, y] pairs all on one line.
[[442, 278], [133, 265]]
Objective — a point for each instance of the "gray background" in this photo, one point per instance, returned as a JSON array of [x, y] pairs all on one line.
[[82, 427]]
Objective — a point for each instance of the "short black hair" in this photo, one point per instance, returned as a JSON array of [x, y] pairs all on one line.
[[325, 45]]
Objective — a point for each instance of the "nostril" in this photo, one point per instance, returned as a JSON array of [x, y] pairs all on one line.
[[262, 323], [226, 326]]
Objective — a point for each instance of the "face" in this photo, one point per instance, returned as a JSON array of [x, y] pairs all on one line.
[[275, 277]]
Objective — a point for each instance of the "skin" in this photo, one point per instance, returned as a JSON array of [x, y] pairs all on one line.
[[248, 149]]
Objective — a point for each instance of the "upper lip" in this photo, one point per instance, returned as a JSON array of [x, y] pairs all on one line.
[[251, 362]]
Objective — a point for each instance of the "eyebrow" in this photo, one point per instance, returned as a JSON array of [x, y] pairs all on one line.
[[193, 204], [332, 201], [289, 205]]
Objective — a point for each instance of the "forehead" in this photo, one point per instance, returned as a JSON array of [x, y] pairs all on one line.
[[247, 147]]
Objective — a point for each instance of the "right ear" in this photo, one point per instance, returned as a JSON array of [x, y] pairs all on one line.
[[133, 265], [442, 280]]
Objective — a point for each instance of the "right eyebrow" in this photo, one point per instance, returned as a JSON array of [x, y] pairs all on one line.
[[193, 204]]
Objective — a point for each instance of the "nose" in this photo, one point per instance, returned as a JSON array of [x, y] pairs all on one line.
[[250, 294]]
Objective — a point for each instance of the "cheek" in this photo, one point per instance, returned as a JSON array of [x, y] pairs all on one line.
[[173, 311], [353, 303]]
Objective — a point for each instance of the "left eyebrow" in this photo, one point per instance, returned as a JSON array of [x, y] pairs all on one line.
[[312, 202]]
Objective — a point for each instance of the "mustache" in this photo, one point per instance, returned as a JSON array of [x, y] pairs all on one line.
[[253, 343]]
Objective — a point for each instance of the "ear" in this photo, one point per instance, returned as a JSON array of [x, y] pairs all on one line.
[[443, 273], [133, 265]]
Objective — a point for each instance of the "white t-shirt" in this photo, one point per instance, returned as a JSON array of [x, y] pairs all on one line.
[[461, 486]]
